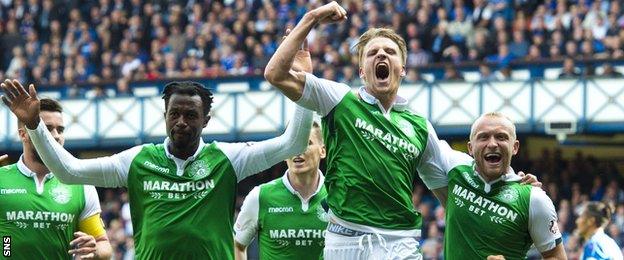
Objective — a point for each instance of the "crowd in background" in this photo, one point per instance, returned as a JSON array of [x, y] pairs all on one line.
[[72, 41], [568, 182]]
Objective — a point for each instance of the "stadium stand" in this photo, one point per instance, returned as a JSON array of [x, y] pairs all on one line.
[[107, 48]]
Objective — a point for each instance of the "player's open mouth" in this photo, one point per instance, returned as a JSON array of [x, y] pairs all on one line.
[[382, 70], [493, 158], [298, 160]]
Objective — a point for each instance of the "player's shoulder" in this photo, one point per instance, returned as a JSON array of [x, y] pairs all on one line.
[[271, 184], [8, 169]]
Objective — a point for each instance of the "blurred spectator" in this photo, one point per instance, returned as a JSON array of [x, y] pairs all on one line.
[[451, 73], [519, 47], [569, 69], [485, 73], [610, 71], [503, 74]]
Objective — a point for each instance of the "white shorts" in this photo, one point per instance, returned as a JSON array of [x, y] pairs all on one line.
[[370, 246]]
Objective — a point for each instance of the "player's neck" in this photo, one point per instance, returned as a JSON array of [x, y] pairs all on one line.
[[183, 153], [35, 165], [591, 233], [306, 183], [385, 99]]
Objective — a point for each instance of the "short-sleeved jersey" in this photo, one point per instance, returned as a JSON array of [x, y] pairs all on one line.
[[601, 247], [502, 217], [288, 227], [373, 155], [191, 212], [41, 219]]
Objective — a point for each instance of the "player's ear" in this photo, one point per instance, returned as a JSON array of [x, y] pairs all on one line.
[[470, 148], [323, 152], [206, 120]]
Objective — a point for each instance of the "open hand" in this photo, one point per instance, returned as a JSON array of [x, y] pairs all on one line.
[[25, 105]]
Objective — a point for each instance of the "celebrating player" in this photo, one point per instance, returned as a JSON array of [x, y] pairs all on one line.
[[375, 145], [45, 218], [181, 192], [489, 212]]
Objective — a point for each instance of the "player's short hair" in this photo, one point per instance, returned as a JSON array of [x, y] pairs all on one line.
[[599, 211], [494, 115], [190, 88], [381, 32], [45, 104]]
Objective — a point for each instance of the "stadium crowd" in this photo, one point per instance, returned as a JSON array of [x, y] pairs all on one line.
[[566, 181], [72, 41]]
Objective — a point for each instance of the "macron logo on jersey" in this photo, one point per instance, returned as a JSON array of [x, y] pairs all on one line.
[[280, 209], [12, 191], [155, 167]]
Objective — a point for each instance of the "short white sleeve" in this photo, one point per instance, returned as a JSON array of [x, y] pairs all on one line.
[[246, 226], [437, 160], [92, 202], [321, 95], [542, 221]]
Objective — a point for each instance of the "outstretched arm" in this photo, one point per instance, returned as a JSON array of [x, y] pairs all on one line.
[[104, 172], [279, 71], [252, 158]]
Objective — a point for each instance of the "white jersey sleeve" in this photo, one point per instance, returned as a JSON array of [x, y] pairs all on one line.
[[246, 226], [322, 95], [437, 160], [543, 226], [253, 157], [111, 171], [92, 202]]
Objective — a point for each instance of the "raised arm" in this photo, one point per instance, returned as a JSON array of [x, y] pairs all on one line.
[[252, 158], [279, 71], [104, 172]]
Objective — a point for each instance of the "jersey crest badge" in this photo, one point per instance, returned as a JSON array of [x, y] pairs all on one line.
[[61, 194], [508, 195], [198, 169], [406, 127]]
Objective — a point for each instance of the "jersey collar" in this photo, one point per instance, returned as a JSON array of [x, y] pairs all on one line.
[[400, 103], [293, 191], [21, 166], [510, 176], [171, 156]]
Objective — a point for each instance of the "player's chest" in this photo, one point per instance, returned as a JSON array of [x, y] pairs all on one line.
[[497, 209]]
